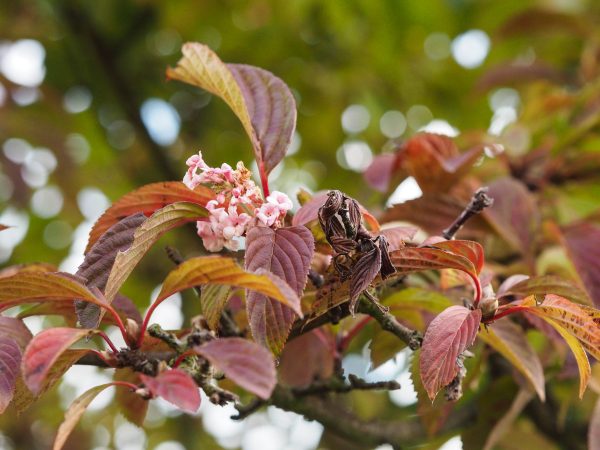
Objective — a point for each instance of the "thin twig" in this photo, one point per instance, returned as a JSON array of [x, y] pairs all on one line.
[[478, 203], [388, 322]]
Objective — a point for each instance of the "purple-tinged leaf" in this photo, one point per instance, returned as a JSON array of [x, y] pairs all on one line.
[[16, 330], [447, 336], [43, 351], [126, 308], [247, 364], [514, 214], [75, 412], [397, 236], [272, 110], [98, 263], [435, 161], [511, 342], [507, 284], [363, 273], [545, 284], [287, 253], [10, 361], [262, 102], [175, 386], [379, 174], [163, 220], [582, 242], [147, 200], [306, 358]]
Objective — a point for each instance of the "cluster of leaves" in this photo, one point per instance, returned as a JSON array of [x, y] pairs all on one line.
[[330, 259]]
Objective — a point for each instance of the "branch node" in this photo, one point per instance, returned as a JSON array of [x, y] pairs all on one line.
[[478, 203]]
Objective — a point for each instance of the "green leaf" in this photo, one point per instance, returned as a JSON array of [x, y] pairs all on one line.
[[75, 412], [510, 341], [214, 299]]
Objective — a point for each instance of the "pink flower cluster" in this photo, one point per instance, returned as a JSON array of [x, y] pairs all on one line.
[[238, 206]]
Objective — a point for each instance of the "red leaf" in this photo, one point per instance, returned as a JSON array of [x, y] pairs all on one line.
[[379, 174], [471, 250], [582, 242], [10, 360], [15, 329], [43, 351], [4, 227], [306, 358], [287, 253], [147, 199], [410, 259], [98, 263], [176, 387], [247, 364], [435, 161], [447, 336]]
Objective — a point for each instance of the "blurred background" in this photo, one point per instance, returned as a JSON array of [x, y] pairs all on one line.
[[86, 115]]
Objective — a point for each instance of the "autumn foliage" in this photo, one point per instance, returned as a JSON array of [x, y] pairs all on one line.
[[329, 276]]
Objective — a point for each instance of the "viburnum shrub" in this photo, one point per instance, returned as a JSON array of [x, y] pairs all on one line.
[[285, 296]]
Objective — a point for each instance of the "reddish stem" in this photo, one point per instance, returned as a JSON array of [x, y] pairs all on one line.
[[345, 342], [103, 358], [147, 317], [181, 357], [119, 322], [478, 292], [126, 384], [264, 179], [110, 343], [505, 312]]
